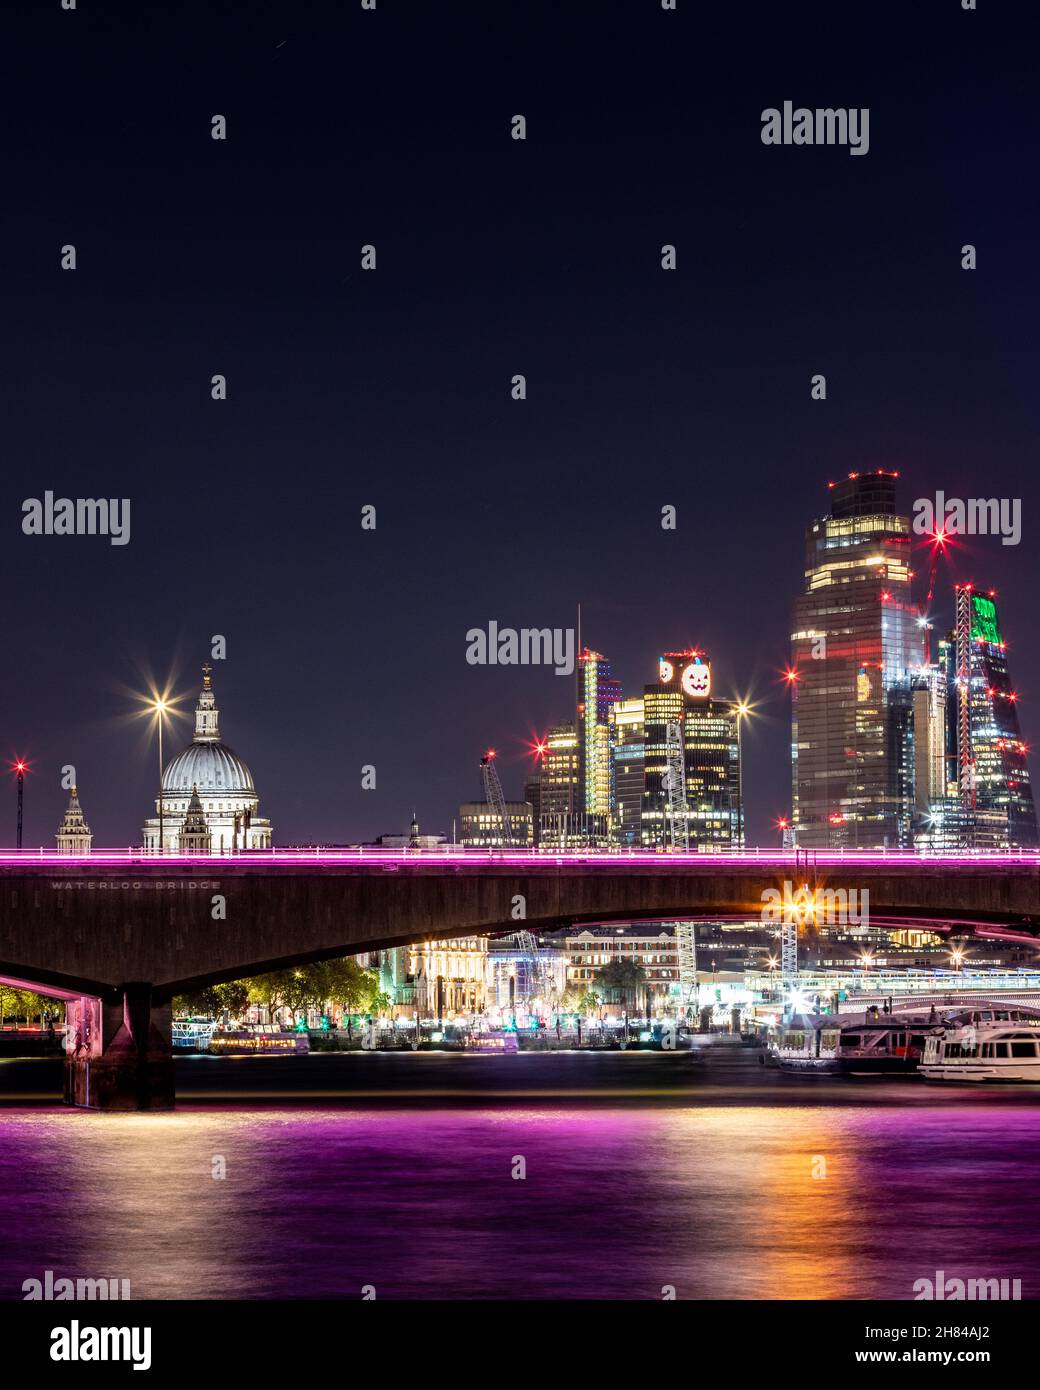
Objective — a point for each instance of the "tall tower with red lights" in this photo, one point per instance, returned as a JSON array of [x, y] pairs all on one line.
[[990, 803]]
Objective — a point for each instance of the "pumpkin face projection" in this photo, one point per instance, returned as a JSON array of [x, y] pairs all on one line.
[[696, 680]]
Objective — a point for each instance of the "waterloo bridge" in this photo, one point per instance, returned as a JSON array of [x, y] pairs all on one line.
[[118, 934]]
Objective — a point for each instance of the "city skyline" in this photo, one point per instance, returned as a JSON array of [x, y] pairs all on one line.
[[527, 760], [519, 691]]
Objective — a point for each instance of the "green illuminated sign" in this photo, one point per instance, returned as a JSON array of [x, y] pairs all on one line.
[[984, 620]]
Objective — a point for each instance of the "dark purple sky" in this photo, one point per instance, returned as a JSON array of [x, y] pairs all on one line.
[[495, 257]]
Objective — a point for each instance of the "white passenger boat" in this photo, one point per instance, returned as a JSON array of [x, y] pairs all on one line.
[[985, 1045]]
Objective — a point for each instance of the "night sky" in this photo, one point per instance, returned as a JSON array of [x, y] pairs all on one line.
[[392, 388]]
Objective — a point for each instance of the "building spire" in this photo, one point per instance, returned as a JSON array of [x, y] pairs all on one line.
[[194, 837], [74, 835], [207, 716]]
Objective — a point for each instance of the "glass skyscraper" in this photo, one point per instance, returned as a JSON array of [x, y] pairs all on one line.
[[598, 692], [854, 642], [626, 746], [990, 796]]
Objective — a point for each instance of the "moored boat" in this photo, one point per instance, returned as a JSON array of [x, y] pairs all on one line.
[[993, 1045], [259, 1040]]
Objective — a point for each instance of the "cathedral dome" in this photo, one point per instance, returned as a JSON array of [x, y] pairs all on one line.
[[211, 767], [207, 763], [208, 802]]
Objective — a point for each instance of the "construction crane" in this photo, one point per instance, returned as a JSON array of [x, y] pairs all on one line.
[[494, 795], [674, 783], [686, 947]]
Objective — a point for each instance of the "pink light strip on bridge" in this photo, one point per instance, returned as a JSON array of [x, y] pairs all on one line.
[[801, 860]]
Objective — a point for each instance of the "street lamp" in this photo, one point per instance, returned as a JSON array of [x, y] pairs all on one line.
[[18, 768], [866, 960], [743, 709], [160, 705]]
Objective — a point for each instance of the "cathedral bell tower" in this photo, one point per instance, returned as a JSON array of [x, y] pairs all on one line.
[[194, 837], [74, 835]]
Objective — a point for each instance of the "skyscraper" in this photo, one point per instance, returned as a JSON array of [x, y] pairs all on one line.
[[533, 797], [598, 692], [990, 796], [852, 649], [930, 723], [681, 715], [626, 748]]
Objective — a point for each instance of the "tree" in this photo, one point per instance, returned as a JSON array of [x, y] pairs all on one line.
[[579, 999], [26, 1004], [270, 990], [341, 981], [588, 1001], [199, 1003], [212, 1000], [622, 978], [233, 996]]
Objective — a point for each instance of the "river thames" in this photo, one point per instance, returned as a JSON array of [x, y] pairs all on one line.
[[620, 1176]]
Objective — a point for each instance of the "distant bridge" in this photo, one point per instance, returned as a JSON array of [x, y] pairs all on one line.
[[119, 933]]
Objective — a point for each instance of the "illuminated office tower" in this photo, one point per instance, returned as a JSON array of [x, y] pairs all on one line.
[[854, 642], [563, 822], [989, 802], [626, 747], [708, 736], [561, 771], [597, 692], [930, 738]]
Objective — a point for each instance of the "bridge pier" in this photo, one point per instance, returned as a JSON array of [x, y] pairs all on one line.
[[119, 1052]]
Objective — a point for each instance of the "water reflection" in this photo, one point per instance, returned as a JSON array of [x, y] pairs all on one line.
[[719, 1202]]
